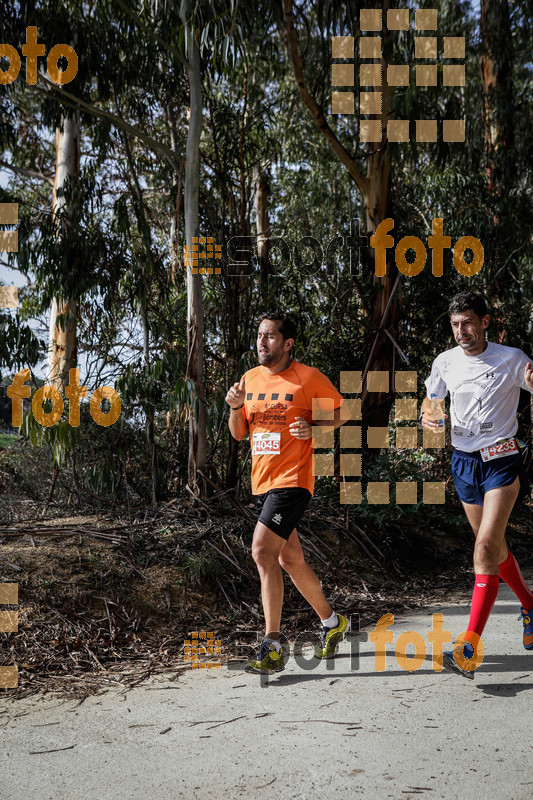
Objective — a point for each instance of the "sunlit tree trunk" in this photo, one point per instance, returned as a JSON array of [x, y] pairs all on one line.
[[262, 222], [195, 318], [62, 343]]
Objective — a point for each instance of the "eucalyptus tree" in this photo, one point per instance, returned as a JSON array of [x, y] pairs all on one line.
[[62, 345]]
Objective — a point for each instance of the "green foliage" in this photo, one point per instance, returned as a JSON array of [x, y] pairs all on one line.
[[59, 438], [19, 346], [203, 567], [121, 260]]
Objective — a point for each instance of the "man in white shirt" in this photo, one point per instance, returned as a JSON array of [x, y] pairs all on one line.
[[484, 381]]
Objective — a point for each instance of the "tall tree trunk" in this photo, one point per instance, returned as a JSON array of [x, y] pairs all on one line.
[[238, 290], [498, 97], [175, 218], [62, 343], [149, 422], [384, 314], [150, 259], [262, 223], [195, 318], [375, 191], [498, 111]]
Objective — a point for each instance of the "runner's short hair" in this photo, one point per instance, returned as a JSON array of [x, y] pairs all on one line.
[[287, 328], [468, 300]]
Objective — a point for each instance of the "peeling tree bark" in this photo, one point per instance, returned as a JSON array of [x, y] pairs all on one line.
[[62, 342], [262, 224], [195, 318]]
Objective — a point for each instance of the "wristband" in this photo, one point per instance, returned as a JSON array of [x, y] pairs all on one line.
[[237, 408]]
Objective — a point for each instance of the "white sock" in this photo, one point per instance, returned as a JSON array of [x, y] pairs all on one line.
[[275, 642], [330, 622]]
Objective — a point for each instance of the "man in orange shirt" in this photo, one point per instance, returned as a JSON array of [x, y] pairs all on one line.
[[274, 404]]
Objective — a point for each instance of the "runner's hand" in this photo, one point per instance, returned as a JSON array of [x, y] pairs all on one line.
[[432, 411], [236, 395], [433, 426], [301, 429], [528, 375]]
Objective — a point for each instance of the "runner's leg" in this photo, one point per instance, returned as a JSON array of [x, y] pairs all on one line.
[[490, 540], [509, 570], [511, 574], [303, 576], [266, 548], [489, 524], [474, 515]]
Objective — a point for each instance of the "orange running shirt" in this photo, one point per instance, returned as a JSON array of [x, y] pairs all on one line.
[[272, 403]]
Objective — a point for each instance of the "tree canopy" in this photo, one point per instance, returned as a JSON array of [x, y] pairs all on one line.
[[212, 119]]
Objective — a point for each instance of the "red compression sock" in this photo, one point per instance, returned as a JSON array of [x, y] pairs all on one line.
[[483, 597], [510, 573]]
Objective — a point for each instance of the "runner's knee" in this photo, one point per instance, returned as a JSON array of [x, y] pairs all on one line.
[[291, 560], [262, 556], [485, 549]]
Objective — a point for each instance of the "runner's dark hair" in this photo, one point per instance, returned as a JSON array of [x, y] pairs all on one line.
[[287, 328], [464, 301]]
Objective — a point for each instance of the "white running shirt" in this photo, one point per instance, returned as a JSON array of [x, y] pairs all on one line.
[[484, 392]]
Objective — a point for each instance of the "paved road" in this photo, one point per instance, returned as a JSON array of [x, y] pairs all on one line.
[[221, 734]]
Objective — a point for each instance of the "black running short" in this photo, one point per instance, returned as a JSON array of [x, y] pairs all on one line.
[[282, 509]]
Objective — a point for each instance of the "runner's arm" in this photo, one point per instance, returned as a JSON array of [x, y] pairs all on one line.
[[433, 404], [238, 423], [528, 376], [302, 429]]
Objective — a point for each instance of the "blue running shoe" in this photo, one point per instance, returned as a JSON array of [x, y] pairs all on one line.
[[462, 652], [526, 617]]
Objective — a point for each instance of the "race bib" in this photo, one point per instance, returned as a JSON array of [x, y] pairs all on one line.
[[507, 447], [266, 444]]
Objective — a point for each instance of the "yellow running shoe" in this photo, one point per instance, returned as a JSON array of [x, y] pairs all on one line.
[[330, 638], [269, 661]]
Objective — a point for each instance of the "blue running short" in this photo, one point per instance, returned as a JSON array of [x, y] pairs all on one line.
[[473, 477]]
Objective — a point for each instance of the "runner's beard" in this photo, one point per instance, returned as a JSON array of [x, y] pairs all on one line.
[[266, 358], [271, 357]]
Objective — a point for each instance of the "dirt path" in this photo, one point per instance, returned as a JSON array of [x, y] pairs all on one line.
[[342, 726]]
